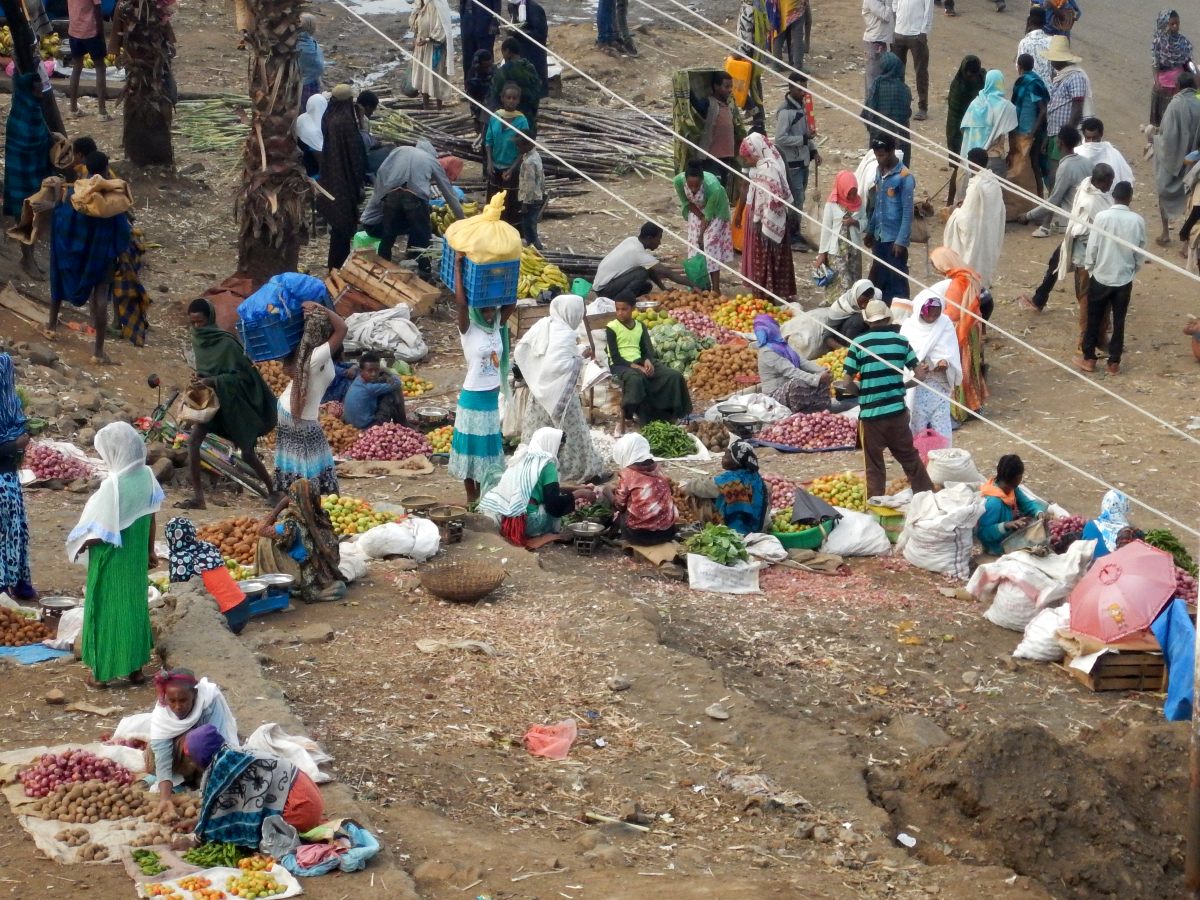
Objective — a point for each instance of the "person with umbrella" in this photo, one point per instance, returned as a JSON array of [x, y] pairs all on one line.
[[1007, 508], [1111, 529]]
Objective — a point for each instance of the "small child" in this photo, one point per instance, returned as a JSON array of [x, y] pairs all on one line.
[[501, 154], [531, 190], [479, 83]]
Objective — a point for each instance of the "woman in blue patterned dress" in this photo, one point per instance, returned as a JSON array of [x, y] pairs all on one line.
[[14, 526]]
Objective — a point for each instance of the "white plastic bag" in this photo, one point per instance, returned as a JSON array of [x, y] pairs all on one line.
[[856, 534], [766, 547], [513, 412], [70, 626], [133, 728], [352, 561], [714, 578], [939, 530], [1012, 607], [1041, 635], [805, 331], [302, 752], [415, 537], [953, 464]]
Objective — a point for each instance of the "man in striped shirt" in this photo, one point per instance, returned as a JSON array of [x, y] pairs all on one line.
[[879, 359]]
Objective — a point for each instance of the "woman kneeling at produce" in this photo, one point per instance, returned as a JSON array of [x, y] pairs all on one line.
[[303, 545], [642, 499], [798, 384], [1007, 508], [650, 391], [528, 501], [184, 704], [188, 556], [241, 790], [739, 494], [1111, 529]]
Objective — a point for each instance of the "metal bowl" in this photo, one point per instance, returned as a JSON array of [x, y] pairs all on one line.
[[431, 413], [253, 587], [419, 503], [731, 409], [59, 603], [277, 579], [444, 515], [585, 529], [743, 425], [646, 304]]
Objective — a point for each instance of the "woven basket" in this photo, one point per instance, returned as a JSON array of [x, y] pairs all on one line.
[[463, 582]]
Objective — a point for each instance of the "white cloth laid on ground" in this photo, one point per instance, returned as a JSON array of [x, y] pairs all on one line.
[[386, 331], [302, 752]]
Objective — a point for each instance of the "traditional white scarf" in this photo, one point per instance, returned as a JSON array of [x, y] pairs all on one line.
[[511, 496], [630, 450], [308, 123], [165, 725], [548, 356], [934, 341]]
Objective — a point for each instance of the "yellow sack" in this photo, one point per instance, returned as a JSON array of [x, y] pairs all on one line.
[[485, 238], [102, 197]]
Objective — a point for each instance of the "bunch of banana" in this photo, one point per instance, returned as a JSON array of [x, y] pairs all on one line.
[[441, 217], [537, 275], [49, 46], [6, 42]]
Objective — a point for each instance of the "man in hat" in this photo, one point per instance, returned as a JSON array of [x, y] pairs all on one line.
[[879, 358], [1070, 92]]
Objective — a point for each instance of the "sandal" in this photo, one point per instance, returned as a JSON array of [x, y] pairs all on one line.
[[137, 677]]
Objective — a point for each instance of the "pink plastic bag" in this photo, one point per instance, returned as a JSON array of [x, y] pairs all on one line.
[[928, 440], [551, 741]]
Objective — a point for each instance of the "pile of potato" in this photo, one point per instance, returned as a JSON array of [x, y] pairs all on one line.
[[73, 837], [713, 435], [159, 834], [341, 436], [705, 302], [723, 369], [88, 802], [235, 538], [17, 631], [273, 374]]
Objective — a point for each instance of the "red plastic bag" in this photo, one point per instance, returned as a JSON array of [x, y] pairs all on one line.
[[225, 590], [928, 440], [551, 741]]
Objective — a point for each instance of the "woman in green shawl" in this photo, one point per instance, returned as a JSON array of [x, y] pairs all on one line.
[[705, 205], [964, 87], [247, 406]]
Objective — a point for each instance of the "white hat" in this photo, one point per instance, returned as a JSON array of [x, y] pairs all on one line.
[[1059, 50], [877, 311]]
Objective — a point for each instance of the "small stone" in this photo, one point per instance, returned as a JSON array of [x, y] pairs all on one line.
[[590, 840], [821, 835], [78, 486], [618, 682], [164, 289], [54, 697], [41, 355], [316, 633], [604, 855], [86, 435], [804, 831], [717, 711], [970, 678], [89, 400]]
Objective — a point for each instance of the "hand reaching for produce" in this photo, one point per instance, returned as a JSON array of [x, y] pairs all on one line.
[[165, 811]]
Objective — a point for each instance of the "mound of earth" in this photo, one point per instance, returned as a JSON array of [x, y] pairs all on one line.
[[1101, 819]]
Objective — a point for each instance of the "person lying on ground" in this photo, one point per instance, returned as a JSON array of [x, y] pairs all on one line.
[[376, 396]]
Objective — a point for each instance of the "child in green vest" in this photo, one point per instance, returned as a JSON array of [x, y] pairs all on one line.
[[651, 391]]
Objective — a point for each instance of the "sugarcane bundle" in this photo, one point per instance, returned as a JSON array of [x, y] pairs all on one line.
[[213, 125], [275, 190], [148, 107]]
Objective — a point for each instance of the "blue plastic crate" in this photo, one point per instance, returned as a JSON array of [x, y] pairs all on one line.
[[272, 337], [488, 284]]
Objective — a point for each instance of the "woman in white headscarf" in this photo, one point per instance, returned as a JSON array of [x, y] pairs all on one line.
[[433, 48], [935, 344], [550, 361], [528, 500], [646, 511], [309, 134], [117, 530]]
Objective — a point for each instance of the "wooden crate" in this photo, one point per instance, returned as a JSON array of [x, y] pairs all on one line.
[[387, 283], [1127, 671]]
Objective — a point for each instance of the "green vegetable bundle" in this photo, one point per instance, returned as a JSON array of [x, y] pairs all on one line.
[[1164, 539], [668, 441], [214, 854], [678, 347], [596, 512], [148, 862], [720, 543]]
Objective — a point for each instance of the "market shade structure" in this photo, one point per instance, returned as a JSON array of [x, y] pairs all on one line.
[[1123, 592]]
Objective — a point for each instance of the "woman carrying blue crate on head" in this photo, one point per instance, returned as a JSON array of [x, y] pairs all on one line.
[[478, 448], [301, 450]]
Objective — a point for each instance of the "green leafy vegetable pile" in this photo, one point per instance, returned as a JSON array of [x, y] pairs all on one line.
[[677, 346], [596, 512], [668, 441], [1164, 539], [720, 543]]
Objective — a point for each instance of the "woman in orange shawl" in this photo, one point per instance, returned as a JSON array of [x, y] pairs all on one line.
[[961, 289]]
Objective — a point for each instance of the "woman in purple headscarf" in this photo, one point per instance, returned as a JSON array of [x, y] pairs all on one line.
[[798, 384]]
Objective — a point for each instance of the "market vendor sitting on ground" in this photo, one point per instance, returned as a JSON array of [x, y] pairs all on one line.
[[184, 704], [240, 791], [739, 495], [1006, 507], [527, 502], [797, 383], [650, 390], [646, 513], [846, 313], [632, 268], [247, 408], [302, 544], [1111, 529], [376, 396]]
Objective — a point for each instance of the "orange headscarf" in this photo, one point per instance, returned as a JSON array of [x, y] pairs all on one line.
[[1009, 498], [963, 293], [452, 166], [843, 183]]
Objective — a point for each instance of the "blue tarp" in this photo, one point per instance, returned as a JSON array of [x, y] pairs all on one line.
[[32, 653], [1177, 636], [283, 295]]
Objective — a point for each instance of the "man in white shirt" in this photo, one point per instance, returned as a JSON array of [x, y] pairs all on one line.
[[1095, 150], [632, 268], [1112, 266], [1035, 41], [914, 19], [879, 19]]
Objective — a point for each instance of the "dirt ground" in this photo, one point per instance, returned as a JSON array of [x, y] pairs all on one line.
[[879, 702]]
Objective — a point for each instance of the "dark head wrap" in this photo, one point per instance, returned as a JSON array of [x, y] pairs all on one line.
[[167, 677], [743, 454], [203, 744]]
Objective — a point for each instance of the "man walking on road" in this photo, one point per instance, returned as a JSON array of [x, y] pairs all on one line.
[[879, 19], [914, 19], [1112, 266], [879, 359], [891, 220]]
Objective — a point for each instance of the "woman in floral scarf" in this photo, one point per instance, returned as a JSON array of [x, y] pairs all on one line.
[[1172, 52], [766, 255]]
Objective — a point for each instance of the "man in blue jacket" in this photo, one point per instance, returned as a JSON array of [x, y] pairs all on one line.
[[891, 220]]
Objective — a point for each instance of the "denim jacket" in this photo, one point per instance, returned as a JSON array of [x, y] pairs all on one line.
[[312, 60], [891, 217]]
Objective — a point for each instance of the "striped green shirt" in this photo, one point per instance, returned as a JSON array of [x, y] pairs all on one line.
[[880, 387]]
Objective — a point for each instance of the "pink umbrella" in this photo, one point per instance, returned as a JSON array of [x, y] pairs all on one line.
[[1123, 592]]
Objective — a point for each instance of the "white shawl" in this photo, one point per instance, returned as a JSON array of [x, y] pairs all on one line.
[[631, 449], [165, 725], [127, 493], [1088, 203], [511, 496], [549, 358], [308, 123], [425, 26], [934, 341], [1103, 152], [976, 229]]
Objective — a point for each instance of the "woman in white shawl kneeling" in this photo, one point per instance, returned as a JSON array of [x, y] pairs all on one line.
[[528, 501], [550, 361], [935, 344]]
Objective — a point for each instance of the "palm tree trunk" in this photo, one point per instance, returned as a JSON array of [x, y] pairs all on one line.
[[275, 192], [149, 108]]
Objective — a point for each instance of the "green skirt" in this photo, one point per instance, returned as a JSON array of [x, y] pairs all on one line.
[[116, 619], [661, 397]]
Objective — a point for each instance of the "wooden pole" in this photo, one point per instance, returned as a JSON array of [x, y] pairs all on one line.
[[27, 60]]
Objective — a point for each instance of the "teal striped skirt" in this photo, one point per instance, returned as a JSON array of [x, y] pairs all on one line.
[[477, 447]]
